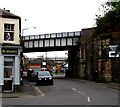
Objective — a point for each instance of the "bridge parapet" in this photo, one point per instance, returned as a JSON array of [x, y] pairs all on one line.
[[52, 35], [50, 42], [57, 58]]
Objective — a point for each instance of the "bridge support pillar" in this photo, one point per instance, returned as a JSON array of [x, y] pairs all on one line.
[[71, 61]]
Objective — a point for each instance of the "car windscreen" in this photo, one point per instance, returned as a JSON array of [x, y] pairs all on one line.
[[44, 73], [36, 70]]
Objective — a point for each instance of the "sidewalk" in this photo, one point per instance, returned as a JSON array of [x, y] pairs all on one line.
[[27, 90], [115, 86]]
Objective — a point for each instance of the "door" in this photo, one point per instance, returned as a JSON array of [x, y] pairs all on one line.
[[8, 74]]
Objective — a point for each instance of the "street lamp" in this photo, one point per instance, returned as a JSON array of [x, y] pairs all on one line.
[[27, 29]]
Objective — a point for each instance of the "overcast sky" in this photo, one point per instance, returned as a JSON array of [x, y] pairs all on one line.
[[53, 16]]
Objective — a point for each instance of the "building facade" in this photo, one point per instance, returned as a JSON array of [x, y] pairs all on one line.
[[98, 58], [10, 50]]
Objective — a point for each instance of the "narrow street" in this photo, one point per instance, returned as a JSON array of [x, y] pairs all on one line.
[[69, 92]]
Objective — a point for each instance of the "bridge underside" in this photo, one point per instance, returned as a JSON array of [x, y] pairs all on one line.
[[72, 52], [54, 42], [47, 49]]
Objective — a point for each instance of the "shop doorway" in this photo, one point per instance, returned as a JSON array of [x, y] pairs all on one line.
[[8, 74]]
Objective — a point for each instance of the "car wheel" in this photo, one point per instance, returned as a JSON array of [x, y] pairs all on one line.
[[51, 83], [37, 83]]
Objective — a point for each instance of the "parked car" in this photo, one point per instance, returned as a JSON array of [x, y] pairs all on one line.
[[35, 71], [34, 74], [44, 78], [29, 74]]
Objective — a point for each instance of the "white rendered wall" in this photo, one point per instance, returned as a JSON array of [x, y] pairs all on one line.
[[1, 69], [17, 71]]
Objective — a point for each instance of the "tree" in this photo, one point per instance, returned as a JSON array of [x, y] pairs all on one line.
[[110, 20]]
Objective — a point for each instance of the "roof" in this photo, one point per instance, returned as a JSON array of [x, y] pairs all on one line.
[[6, 14]]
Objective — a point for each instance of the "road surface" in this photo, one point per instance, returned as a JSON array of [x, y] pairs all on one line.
[[69, 92]]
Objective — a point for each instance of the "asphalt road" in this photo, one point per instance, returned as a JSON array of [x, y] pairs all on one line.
[[69, 92]]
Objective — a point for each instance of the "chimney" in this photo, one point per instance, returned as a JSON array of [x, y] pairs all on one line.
[[6, 10]]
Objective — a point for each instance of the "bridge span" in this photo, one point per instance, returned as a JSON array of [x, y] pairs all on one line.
[[54, 42]]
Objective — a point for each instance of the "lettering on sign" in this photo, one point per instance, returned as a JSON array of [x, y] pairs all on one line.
[[9, 51], [112, 52]]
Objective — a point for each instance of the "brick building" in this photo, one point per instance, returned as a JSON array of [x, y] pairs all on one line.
[[98, 59]]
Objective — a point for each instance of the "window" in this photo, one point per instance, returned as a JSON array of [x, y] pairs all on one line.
[[26, 44], [9, 32], [65, 34], [59, 35], [63, 42], [75, 40], [71, 34], [57, 42], [31, 44], [77, 33], [69, 41], [46, 43], [53, 35], [35, 43], [52, 42], [36, 36], [41, 43], [7, 72], [42, 36], [31, 36], [26, 37], [47, 35]]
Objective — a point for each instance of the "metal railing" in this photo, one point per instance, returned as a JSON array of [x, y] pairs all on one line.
[[52, 35]]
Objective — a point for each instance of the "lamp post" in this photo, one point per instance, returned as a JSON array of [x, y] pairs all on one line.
[[21, 42], [26, 29]]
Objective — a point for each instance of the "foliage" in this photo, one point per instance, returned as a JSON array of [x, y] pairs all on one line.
[[110, 21], [118, 48]]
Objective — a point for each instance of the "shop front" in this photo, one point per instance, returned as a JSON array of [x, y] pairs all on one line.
[[10, 64]]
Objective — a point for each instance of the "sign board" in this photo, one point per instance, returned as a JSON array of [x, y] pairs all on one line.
[[34, 66], [9, 51], [112, 52]]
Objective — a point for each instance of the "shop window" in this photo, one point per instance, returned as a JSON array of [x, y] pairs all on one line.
[[8, 68], [9, 32], [6, 63], [7, 72]]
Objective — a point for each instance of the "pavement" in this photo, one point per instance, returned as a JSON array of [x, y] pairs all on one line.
[[29, 89], [115, 86]]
